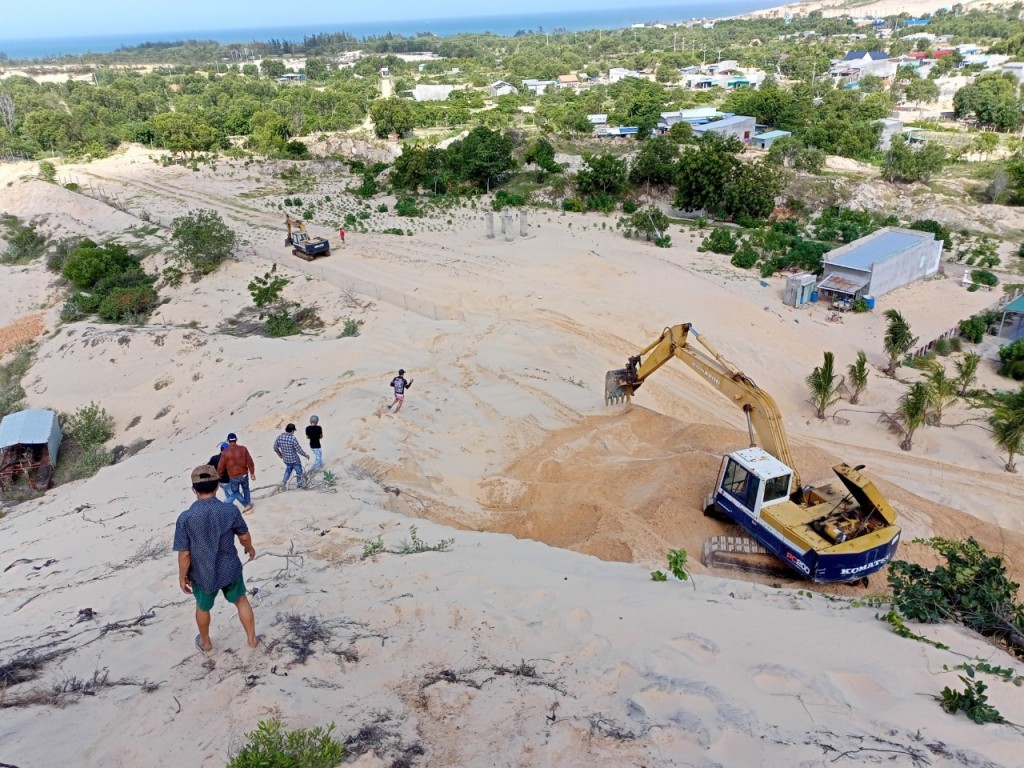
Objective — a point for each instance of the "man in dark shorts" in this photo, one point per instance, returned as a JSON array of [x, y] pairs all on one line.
[[204, 538]]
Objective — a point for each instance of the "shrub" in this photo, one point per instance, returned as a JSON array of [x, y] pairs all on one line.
[[23, 245], [123, 305], [382, 208], [983, 277], [1011, 357], [942, 347], [955, 345], [574, 204], [601, 202], [504, 199], [407, 207], [60, 252], [203, 240], [745, 258], [90, 263], [930, 225], [90, 425], [973, 329], [351, 327], [281, 323], [628, 206], [296, 150], [269, 746], [11, 393], [350, 220], [720, 241]]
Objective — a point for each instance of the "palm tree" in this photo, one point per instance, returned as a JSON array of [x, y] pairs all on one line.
[[942, 390], [824, 384], [898, 340], [1007, 422], [967, 372], [911, 415], [858, 376]]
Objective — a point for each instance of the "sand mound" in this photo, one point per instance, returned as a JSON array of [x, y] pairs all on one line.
[[20, 332]]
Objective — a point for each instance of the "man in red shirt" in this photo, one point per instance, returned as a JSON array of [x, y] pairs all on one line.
[[239, 467]]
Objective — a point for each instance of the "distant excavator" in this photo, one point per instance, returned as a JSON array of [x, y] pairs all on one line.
[[304, 246], [823, 534]]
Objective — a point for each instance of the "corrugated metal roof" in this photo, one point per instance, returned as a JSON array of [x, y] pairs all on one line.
[[31, 427], [841, 284], [876, 247], [773, 135], [1017, 305], [725, 121]]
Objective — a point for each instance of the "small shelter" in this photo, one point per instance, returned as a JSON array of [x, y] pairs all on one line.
[[29, 443], [799, 289], [765, 140], [1007, 327]]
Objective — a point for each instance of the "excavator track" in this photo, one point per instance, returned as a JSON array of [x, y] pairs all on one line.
[[741, 553]]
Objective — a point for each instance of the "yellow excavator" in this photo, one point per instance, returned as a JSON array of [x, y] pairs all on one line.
[[821, 533], [304, 246]]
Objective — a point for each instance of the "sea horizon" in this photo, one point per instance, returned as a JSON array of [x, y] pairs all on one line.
[[502, 25]]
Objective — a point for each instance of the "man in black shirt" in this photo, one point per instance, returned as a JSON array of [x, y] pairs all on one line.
[[315, 433], [224, 480]]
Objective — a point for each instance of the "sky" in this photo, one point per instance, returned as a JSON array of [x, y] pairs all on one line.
[[67, 18]]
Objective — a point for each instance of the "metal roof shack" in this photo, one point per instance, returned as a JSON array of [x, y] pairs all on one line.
[[29, 443], [881, 262]]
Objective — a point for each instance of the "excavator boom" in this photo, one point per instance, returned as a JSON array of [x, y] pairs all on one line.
[[763, 416]]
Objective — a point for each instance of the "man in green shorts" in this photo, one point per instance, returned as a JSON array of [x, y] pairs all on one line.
[[204, 538]]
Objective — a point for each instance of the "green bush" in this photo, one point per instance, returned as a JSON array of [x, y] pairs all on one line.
[[281, 323], [350, 220], [60, 252], [860, 306], [503, 199], [955, 345], [351, 327], [1011, 358], [296, 150], [745, 258], [270, 746], [90, 425], [942, 347], [12, 395], [203, 240], [574, 204], [91, 263], [973, 329], [382, 208], [24, 245], [930, 225], [603, 203], [720, 241], [983, 277], [407, 207], [124, 305], [628, 206]]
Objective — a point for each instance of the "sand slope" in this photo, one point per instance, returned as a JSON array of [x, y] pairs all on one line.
[[502, 650]]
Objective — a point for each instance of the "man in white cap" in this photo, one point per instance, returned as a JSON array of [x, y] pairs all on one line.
[[315, 433]]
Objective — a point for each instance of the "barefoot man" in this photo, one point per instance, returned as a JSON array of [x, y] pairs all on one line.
[[204, 538]]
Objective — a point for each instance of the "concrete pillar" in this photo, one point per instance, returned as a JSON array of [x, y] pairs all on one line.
[[489, 220], [522, 222], [506, 225]]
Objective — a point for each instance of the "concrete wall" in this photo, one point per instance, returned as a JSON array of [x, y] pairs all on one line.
[[918, 261], [743, 130]]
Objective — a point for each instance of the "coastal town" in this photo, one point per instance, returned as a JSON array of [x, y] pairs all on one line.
[[346, 336]]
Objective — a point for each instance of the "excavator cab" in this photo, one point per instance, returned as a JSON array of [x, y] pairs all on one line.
[[750, 480]]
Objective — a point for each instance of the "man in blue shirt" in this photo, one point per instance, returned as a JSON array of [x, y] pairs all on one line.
[[204, 538]]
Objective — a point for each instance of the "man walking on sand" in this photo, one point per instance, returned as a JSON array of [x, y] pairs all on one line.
[[399, 384], [341, 234], [315, 433], [224, 480], [288, 449], [204, 538], [238, 465]]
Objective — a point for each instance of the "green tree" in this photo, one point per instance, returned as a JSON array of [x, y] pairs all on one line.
[[484, 156], [602, 175], [985, 143], [966, 372], [911, 415], [649, 221], [183, 133], [858, 372], [1007, 422], [942, 390], [705, 172], [752, 190], [905, 163], [921, 90], [1011, 358], [392, 115], [541, 153], [272, 68], [898, 339], [993, 99], [931, 225], [318, 68], [655, 163], [203, 240], [825, 385]]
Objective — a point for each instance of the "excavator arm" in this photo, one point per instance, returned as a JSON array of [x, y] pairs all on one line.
[[763, 416]]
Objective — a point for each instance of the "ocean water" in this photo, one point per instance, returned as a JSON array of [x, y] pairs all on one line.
[[613, 18]]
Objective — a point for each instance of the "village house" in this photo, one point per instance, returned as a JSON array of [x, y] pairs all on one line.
[[568, 81], [879, 263], [538, 87], [430, 92], [741, 127], [857, 64], [501, 88], [620, 73]]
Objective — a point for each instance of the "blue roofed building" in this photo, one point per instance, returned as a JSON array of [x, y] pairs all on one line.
[[766, 139], [879, 263], [741, 127]]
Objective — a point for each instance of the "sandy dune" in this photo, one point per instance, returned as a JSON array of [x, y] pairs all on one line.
[[502, 650]]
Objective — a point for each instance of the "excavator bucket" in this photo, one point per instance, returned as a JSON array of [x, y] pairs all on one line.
[[617, 388]]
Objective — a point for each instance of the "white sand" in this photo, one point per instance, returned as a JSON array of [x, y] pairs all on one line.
[[504, 430], [871, 9]]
